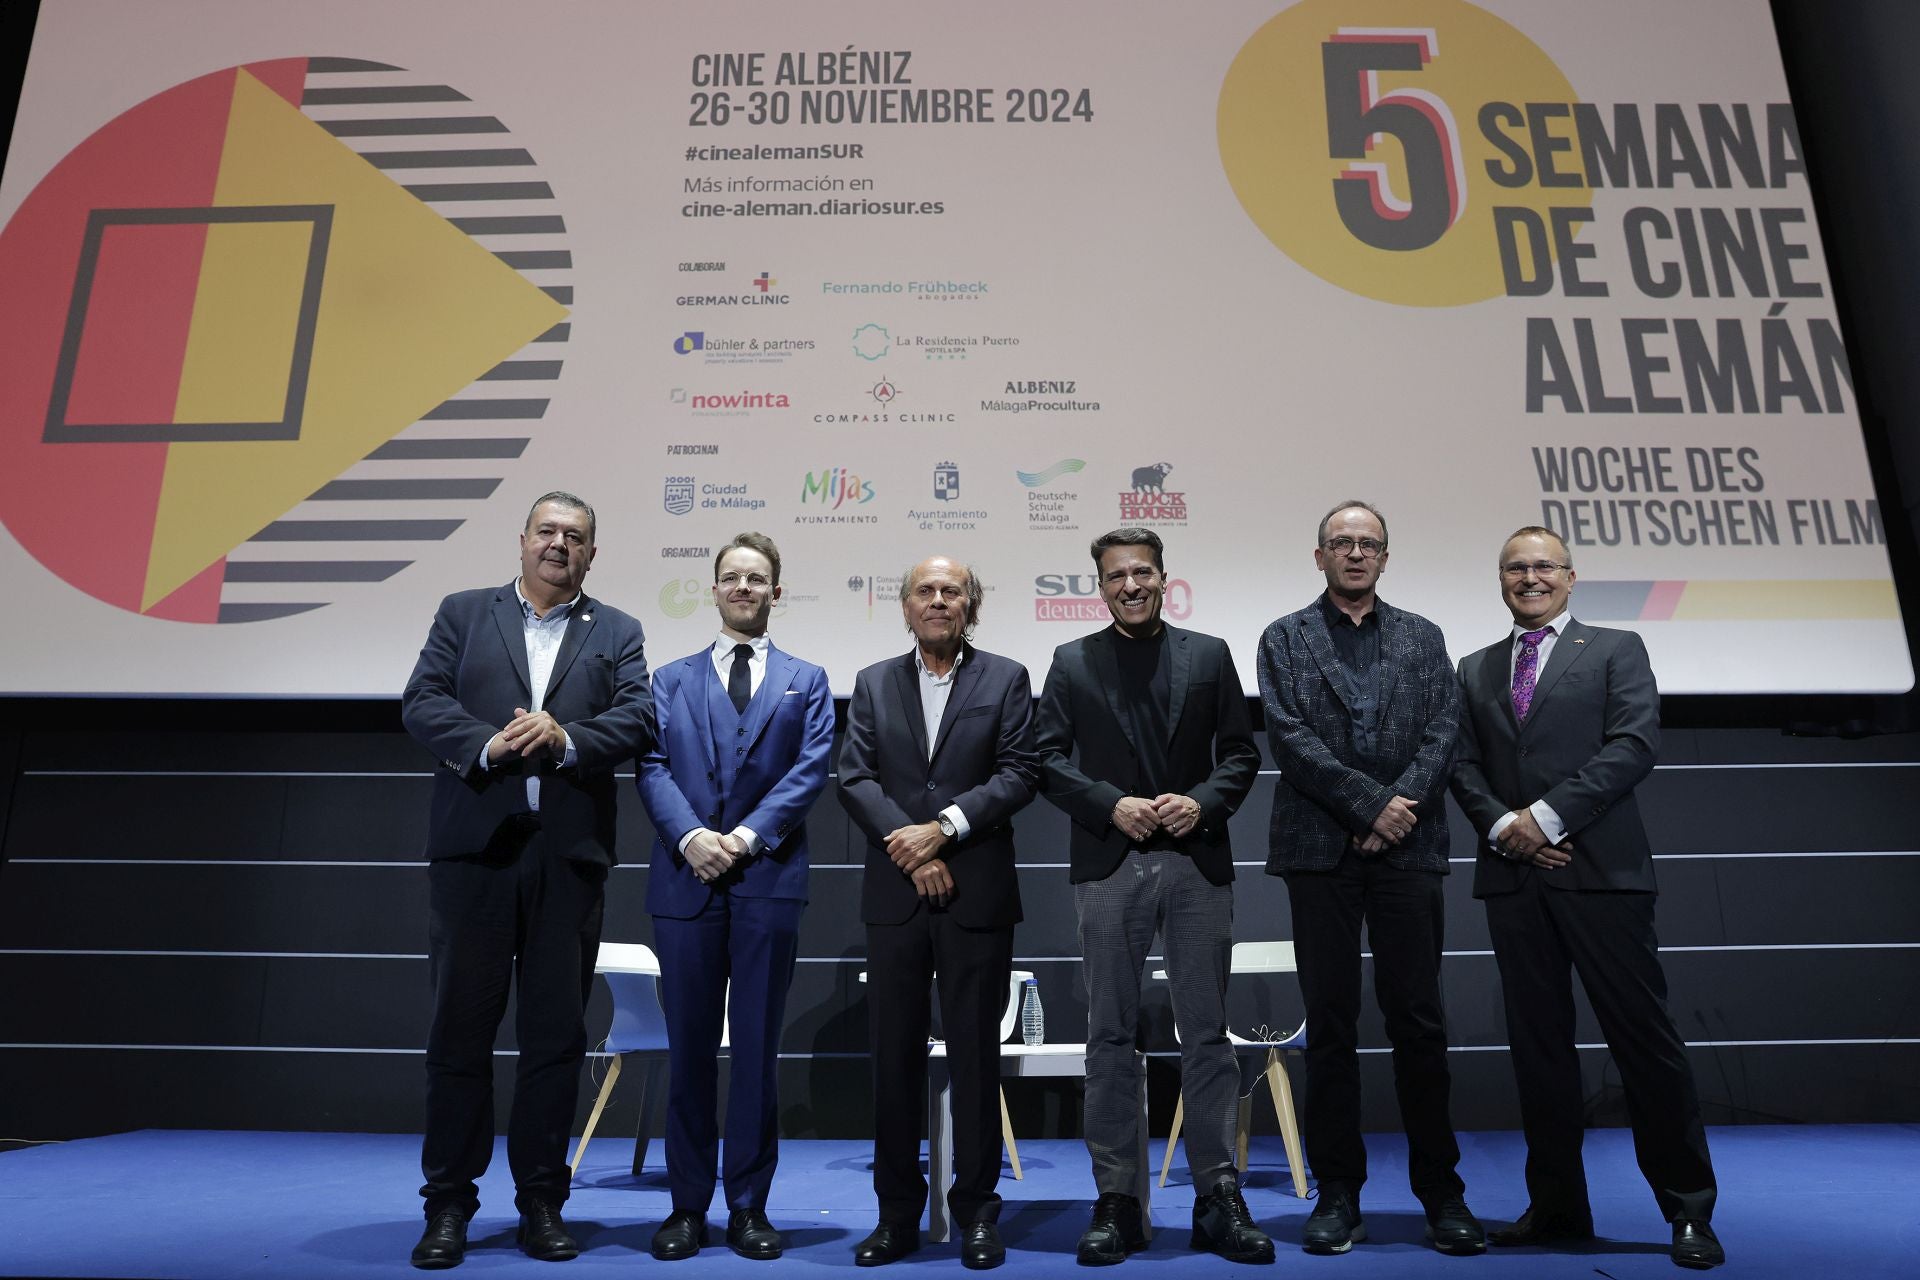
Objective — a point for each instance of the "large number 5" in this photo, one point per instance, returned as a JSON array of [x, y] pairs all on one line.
[[1358, 114]]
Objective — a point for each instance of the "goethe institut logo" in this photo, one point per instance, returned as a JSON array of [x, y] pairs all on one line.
[[239, 322]]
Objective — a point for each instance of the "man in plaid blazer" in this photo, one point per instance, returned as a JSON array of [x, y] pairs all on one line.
[[1362, 714]]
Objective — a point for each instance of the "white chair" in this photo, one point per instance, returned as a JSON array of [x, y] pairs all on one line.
[[639, 1027], [1270, 1055], [1009, 1024]]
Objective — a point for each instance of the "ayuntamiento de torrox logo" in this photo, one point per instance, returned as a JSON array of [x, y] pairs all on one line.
[[228, 308]]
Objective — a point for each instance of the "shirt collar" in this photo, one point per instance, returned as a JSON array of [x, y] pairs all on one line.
[[723, 645], [921, 664], [558, 611], [1336, 617], [1557, 626]]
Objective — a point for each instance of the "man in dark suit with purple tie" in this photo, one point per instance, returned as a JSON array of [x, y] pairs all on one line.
[[745, 735], [1561, 721], [938, 758]]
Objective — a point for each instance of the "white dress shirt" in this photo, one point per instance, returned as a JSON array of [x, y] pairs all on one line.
[[934, 692], [542, 635]]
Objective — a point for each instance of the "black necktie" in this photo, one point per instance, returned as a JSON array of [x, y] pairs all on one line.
[[740, 679]]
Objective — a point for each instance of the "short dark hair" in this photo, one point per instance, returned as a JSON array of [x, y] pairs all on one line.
[[1130, 536], [1320, 539], [1542, 531], [565, 499], [751, 542], [975, 592]]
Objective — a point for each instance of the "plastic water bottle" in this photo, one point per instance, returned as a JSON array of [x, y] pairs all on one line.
[[1033, 1022]]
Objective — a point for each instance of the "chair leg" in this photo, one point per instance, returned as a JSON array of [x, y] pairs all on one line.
[[1243, 1131], [1173, 1138], [1282, 1090], [1006, 1134], [653, 1091], [593, 1118]]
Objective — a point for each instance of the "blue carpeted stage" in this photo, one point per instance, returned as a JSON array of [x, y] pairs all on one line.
[[1795, 1202]]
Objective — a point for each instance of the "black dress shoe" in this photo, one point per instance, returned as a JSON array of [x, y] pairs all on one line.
[[1334, 1224], [445, 1241], [1695, 1245], [980, 1247], [680, 1236], [890, 1242], [750, 1235], [1222, 1223], [1535, 1228], [1452, 1228], [1115, 1233], [544, 1236]]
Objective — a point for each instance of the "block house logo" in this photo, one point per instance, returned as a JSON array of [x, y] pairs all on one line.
[[212, 353]]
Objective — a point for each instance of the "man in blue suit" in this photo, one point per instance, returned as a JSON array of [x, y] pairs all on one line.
[[1362, 717], [530, 695], [745, 734]]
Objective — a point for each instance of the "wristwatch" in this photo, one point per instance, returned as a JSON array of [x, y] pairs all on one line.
[[947, 828]]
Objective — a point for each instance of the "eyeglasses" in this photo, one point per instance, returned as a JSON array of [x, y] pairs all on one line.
[[1369, 547], [1539, 569], [755, 581]]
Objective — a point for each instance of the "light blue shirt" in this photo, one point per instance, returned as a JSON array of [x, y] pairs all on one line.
[[543, 636]]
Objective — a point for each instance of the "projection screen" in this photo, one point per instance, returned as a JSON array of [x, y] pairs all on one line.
[[304, 304]]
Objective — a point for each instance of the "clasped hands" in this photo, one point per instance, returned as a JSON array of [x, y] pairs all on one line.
[[1524, 841], [526, 733], [712, 855], [1390, 826], [1138, 818], [915, 849]]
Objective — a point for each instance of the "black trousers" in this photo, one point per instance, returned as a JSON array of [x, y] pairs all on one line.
[[520, 916], [1403, 913], [972, 966], [1541, 938]]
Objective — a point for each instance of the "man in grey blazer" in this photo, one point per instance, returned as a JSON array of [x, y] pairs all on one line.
[[1561, 723], [1362, 715], [1145, 743]]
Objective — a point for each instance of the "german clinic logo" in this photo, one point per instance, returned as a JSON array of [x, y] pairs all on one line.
[[212, 353]]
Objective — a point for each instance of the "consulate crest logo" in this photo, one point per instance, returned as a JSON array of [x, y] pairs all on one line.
[[242, 318]]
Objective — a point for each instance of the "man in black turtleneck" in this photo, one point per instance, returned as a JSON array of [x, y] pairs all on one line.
[[1146, 744]]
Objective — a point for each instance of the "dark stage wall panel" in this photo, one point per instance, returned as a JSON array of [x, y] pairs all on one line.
[[236, 920]]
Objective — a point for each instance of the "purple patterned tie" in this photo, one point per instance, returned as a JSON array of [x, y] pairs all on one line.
[[1525, 668]]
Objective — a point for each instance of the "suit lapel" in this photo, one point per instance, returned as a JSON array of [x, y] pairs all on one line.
[[580, 625], [1496, 674], [1106, 669], [1567, 650], [1179, 674], [773, 687], [1390, 637], [906, 689], [696, 692], [1313, 629], [513, 633], [966, 683]]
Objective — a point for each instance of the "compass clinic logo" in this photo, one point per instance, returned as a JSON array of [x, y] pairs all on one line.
[[253, 362]]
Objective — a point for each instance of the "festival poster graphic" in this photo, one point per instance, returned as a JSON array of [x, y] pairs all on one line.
[[305, 304]]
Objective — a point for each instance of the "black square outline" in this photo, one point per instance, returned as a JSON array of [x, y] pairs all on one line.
[[60, 431]]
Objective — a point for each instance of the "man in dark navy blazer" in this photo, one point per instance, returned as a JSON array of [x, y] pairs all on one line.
[[1561, 723], [938, 758], [745, 735], [1145, 743], [1362, 715], [530, 695]]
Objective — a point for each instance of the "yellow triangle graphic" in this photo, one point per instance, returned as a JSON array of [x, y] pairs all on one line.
[[411, 311]]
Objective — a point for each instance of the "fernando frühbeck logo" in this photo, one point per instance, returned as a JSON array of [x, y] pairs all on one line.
[[938, 290]]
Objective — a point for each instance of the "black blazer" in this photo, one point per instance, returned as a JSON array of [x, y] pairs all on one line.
[[982, 761], [1591, 736], [472, 673], [1088, 760]]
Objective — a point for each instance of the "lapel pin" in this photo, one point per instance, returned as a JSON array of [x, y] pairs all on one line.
[[1577, 640], [586, 617]]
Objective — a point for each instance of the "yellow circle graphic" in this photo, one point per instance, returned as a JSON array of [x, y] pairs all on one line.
[[1355, 134]]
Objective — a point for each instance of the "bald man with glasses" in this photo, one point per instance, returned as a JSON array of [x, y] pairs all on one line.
[[1561, 722]]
